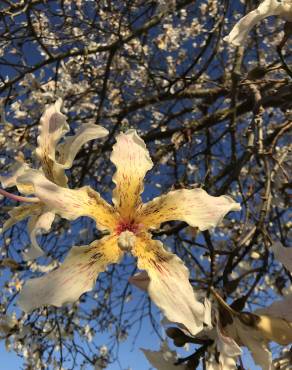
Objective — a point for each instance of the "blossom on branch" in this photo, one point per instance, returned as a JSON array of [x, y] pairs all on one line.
[[54, 159], [129, 222], [240, 31]]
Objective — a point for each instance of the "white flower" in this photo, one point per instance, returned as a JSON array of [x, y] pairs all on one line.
[[128, 223], [54, 159]]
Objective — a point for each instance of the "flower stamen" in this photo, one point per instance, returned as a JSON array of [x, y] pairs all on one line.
[[18, 198]]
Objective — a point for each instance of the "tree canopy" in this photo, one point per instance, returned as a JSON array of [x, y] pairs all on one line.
[[213, 115]]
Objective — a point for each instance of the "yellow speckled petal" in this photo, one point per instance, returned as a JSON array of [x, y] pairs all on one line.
[[169, 285], [77, 275], [196, 207], [53, 127], [71, 203], [132, 161]]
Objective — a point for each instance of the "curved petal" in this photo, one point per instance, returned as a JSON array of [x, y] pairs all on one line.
[[169, 285], [242, 28], [257, 346], [12, 179], [53, 127], [37, 224], [71, 203], [132, 161], [281, 309], [284, 255], [77, 275], [67, 151], [196, 207], [165, 359], [20, 213]]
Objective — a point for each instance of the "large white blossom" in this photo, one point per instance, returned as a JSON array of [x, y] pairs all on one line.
[[128, 222]]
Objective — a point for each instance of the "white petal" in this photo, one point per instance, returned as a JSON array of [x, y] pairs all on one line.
[[77, 275], [196, 207], [275, 329], [242, 28], [53, 127], [228, 348], [71, 203], [72, 144], [38, 224], [164, 359], [208, 313], [284, 255], [11, 180], [132, 161], [281, 308], [169, 286], [259, 348], [225, 362]]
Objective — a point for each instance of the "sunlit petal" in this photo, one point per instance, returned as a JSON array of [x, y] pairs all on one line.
[[67, 151], [132, 161], [267, 8], [275, 329], [71, 203], [280, 308], [38, 224], [77, 275], [258, 347], [169, 285], [196, 207], [53, 127]]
